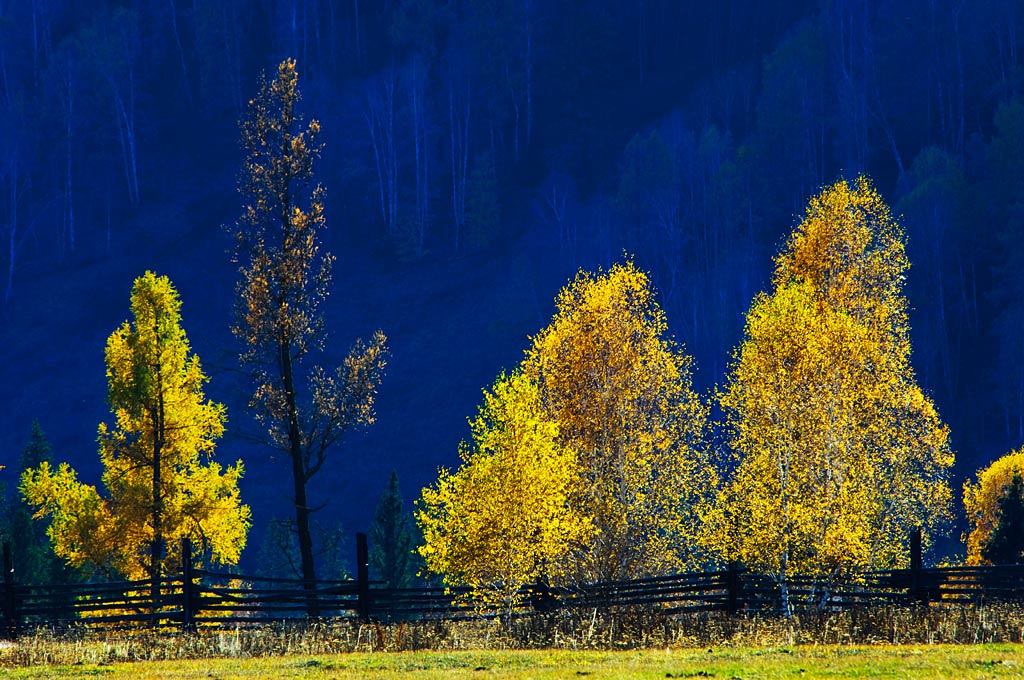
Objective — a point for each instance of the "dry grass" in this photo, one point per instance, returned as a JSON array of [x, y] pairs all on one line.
[[573, 631]]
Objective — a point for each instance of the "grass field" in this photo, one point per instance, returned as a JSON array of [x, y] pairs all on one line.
[[803, 662], [920, 642]]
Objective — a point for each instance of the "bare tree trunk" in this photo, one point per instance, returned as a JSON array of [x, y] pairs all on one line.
[[302, 510], [454, 166], [392, 150], [464, 168], [380, 121], [317, 35], [69, 200], [458, 126], [359, 47], [232, 48], [420, 156], [35, 44], [527, 6], [181, 51], [129, 116], [378, 158], [5, 80], [515, 112], [12, 228], [958, 145], [127, 149]]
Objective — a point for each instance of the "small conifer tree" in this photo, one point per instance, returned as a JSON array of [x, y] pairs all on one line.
[[391, 538]]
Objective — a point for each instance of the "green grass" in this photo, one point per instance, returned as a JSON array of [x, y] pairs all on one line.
[[954, 641], [803, 662]]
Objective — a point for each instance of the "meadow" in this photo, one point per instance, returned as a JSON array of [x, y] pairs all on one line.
[[933, 642], [830, 661]]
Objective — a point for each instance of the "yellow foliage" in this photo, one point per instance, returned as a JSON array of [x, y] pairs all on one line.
[[80, 527], [839, 453], [506, 518], [981, 501], [620, 390], [851, 251], [161, 482]]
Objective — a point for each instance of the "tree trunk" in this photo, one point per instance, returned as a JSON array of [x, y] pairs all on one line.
[[156, 551], [380, 120], [181, 51], [12, 231], [417, 129], [527, 5], [784, 603], [69, 202], [358, 46], [126, 133], [302, 510]]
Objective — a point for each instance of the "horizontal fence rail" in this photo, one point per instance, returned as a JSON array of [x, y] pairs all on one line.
[[197, 597]]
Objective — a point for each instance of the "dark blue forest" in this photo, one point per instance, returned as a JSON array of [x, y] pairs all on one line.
[[477, 155]]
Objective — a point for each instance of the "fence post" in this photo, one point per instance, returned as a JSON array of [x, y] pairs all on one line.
[[10, 607], [188, 613], [918, 593], [363, 577], [542, 599], [732, 588]]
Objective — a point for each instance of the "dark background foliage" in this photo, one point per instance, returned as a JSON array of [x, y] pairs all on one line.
[[479, 153]]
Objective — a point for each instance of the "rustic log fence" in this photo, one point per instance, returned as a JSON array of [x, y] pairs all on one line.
[[198, 597]]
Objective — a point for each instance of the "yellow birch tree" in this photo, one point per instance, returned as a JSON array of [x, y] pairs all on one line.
[[981, 501], [621, 392], [506, 517], [839, 455], [162, 484]]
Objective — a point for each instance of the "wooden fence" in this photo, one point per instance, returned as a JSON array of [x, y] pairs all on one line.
[[198, 597]]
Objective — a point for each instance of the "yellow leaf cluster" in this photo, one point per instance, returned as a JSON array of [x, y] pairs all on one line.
[[839, 453], [158, 472], [507, 517], [621, 392], [981, 501], [589, 463]]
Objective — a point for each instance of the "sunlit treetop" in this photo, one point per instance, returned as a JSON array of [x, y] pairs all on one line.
[[620, 389], [851, 251]]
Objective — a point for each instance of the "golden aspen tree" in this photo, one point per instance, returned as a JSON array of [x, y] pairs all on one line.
[[621, 392], [981, 501], [839, 454], [506, 517], [285, 279], [161, 481]]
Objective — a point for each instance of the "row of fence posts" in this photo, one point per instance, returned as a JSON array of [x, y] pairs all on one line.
[[190, 604], [918, 589]]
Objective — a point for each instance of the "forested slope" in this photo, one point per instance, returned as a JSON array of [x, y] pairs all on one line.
[[479, 153]]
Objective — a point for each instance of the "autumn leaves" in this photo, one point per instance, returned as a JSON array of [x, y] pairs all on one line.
[[161, 482], [837, 453], [595, 459], [827, 452]]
